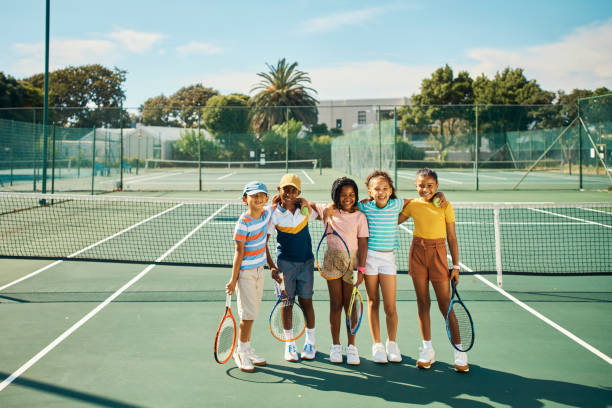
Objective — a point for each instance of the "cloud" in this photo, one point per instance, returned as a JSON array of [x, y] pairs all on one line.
[[581, 59], [337, 20], [198, 48], [136, 41], [62, 53]]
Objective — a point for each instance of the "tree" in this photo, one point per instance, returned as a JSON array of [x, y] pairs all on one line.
[[18, 94], [187, 146], [430, 111], [283, 86], [185, 104], [509, 87], [155, 111], [93, 88], [227, 119]]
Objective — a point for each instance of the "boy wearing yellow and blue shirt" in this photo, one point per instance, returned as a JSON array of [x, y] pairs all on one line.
[[294, 256]]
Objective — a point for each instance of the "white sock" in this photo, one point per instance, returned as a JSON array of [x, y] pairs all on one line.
[[427, 344], [310, 336], [242, 347], [288, 334]]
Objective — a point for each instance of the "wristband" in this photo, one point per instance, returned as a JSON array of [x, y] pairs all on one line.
[[456, 267], [361, 269]]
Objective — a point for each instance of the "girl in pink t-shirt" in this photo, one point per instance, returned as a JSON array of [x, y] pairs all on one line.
[[352, 226]]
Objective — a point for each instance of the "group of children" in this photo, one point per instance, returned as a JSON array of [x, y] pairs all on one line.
[[369, 228]]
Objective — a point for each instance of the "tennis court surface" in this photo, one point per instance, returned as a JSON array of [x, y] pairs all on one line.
[[134, 325]]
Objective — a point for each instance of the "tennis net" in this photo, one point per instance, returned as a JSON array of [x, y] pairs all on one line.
[[510, 238]]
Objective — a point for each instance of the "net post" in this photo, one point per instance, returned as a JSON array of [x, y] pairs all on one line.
[[476, 151], [121, 146], [46, 98], [199, 153], [320, 167], [93, 160], [498, 254], [287, 139], [579, 150], [53, 162], [395, 147]]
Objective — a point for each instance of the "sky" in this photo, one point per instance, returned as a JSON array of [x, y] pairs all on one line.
[[350, 49]]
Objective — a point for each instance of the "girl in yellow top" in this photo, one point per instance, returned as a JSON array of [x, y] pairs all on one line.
[[427, 263]]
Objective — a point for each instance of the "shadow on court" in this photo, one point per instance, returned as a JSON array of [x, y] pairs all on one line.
[[62, 392], [405, 383]]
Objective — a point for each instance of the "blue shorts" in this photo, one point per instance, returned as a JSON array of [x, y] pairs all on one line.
[[298, 277]]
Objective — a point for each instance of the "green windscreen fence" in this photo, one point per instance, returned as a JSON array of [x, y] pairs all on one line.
[[360, 151], [471, 147]]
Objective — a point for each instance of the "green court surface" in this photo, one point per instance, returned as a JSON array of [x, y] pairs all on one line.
[[152, 345]]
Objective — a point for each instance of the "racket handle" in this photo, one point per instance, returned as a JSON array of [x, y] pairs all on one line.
[[282, 283], [355, 277], [228, 300]]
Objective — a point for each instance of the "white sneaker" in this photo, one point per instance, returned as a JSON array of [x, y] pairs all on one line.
[[461, 362], [352, 355], [255, 359], [290, 352], [379, 354], [335, 353], [243, 361], [309, 352], [427, 356], [393, 352]]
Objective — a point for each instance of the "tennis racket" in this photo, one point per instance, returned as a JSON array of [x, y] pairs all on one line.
[[225, 339], [332, 254], [287, 319], [459, 324], [355, 312]]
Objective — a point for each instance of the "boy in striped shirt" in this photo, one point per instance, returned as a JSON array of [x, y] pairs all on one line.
[[247, 278]]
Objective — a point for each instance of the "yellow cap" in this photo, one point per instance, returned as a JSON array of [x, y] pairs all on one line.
[[290, 179]]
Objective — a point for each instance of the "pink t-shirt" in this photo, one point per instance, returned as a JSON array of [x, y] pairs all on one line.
[[350, 226]]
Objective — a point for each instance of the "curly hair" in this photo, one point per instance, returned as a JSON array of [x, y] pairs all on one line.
[[337, 189], [427, 172], [386, 176]]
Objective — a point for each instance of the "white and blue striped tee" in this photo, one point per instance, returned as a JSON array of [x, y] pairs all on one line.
[[382, 223], [253, 232]]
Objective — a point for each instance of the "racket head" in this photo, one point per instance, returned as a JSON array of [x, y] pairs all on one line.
[[458, 319], [355, 311], [332, 256], [287, 320], [286, 316], [225, 338]]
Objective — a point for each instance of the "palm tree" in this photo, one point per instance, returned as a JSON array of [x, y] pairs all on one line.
[[282, 86]]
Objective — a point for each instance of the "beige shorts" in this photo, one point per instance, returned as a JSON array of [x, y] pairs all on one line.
[[249, 291], [335, 264]]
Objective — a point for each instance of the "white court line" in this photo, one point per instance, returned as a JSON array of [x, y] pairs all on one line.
[[308, 177], [227, 175], [547, 321], [87, 248], [493, 177], [101, 306], [439, 178], [536, 313], [594, 210], [139, 179], [571, 218]]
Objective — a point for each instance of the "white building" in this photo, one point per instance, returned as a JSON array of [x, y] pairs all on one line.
[[349, 114]]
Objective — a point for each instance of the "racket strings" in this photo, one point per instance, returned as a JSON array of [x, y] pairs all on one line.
[[225, 340], [287, 321], [461, 327], [355, 313]]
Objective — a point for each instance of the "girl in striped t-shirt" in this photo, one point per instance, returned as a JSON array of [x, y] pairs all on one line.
[[382, 211]]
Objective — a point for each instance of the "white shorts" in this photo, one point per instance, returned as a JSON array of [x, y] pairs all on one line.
[[380, 263], [249, 291]]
